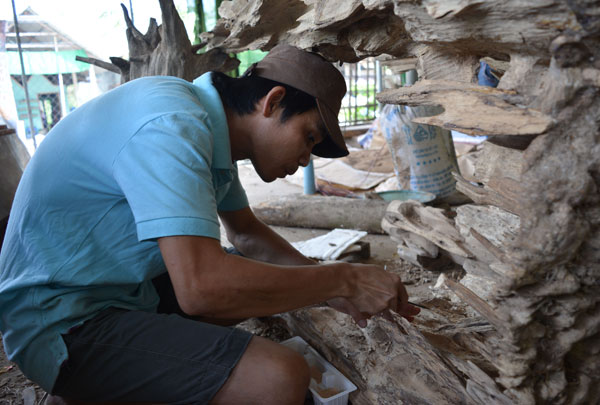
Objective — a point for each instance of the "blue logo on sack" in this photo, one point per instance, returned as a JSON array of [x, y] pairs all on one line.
[[432, 133], [421, 134]]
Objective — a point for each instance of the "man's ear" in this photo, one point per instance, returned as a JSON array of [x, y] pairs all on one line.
[[271, 101]]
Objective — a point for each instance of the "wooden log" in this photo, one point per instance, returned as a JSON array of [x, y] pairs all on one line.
[[488, 231], [484, 287], [427, 222], [495, 161], [478, 304], [469, 108], [448, 8], [323, 212], [420, 245], [477, 27], [550, 89], [416, 249], [164, 50], [441, 63], [389, 362], [505, 194], [481, 387]]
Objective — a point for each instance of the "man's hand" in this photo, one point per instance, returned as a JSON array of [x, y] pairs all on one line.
[[375, 292]]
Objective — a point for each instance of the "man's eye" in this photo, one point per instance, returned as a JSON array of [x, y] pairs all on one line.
[[311, 138]]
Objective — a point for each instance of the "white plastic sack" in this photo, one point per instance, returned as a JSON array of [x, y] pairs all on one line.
[[423, 155]]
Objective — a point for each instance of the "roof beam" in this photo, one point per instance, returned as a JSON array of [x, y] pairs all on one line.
[[39, 45], [31, 34]]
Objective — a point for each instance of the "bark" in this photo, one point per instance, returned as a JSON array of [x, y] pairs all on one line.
[[545, 299], [322, 212], [165, 50]]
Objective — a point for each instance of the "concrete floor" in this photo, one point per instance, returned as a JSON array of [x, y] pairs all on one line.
[[383, 248]]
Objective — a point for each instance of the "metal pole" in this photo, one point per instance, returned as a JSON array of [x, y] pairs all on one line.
[[131, 11], [378, 77], [378, 84], [23, 79], [411, 77], [309, 178], [61, 84]]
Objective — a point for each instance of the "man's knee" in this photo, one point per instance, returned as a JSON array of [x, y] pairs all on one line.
[[267, 373], [291, 369], [285, 373]]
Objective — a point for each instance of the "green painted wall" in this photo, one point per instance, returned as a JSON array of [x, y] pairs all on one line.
[[37, 85]]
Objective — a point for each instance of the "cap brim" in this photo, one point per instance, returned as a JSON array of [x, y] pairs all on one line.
[[333, 144]]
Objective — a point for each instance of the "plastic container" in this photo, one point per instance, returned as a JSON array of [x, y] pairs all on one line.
[[421, 196], [332, 381]]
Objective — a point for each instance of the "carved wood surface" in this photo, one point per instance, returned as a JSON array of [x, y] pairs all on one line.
[[427, 222], [548, 350]]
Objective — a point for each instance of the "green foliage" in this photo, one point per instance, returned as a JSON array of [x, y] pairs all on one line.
[[200, 22], [247, 58]]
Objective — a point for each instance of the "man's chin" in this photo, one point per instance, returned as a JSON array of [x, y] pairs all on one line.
[[266, 178]]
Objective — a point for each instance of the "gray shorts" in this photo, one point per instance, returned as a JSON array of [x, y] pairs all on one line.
[[135, 356]]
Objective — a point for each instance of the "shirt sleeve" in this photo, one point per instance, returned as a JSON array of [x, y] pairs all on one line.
[[164, 173], [236, 198]]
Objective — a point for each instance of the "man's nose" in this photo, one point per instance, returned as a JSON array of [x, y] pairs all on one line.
[[304, 159]]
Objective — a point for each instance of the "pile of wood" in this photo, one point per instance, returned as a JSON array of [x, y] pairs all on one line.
[[471, 235], [529, 242]]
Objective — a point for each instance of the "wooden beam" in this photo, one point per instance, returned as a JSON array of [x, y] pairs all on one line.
[[99, 63], [470, 108]]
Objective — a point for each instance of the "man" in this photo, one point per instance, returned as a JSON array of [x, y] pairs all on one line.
[[112, 275]]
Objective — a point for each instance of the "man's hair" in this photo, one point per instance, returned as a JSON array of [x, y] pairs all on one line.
[[243, 93]]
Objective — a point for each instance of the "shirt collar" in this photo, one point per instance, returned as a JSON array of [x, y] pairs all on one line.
[[211, 101]]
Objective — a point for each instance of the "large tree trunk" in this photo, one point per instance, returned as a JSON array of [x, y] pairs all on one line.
[[544, 306], [165, 50]]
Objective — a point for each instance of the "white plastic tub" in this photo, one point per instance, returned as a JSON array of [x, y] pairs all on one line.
[[332, 381]]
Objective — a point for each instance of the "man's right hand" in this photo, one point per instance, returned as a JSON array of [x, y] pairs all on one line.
[[373, 291]]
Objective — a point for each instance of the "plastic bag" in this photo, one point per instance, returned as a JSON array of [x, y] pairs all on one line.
[[423, 155]]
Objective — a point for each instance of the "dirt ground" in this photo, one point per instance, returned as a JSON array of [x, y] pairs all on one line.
[[14, 386]]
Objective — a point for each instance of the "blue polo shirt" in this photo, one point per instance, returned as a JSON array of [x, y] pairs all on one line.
[[148, 159]]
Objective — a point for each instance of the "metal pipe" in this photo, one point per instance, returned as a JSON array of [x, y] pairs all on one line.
[[61, 84], [309, 178], [131, 11], [411, 77], [23, 79]]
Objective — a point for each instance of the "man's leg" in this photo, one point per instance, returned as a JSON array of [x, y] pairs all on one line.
[[133, 356], [267, 373]]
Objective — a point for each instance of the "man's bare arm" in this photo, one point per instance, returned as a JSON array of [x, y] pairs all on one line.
[[208, 282], [256, 240]]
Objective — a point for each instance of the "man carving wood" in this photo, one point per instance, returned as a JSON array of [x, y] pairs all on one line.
[[113, 283]]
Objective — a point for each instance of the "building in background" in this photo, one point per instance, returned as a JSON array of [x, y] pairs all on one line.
[[56, 82]]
